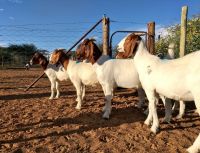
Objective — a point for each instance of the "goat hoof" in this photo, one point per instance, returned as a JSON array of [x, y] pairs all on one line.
[[146, 112], [50, 98], [140, 105], [166, 120], [147, 122], [179, 116], [78, 107], [104, 109], [154, 130], [56, 97], [105, 116]]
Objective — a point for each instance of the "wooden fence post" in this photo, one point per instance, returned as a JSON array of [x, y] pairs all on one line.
[[106, 36], [183, 30], [151, 37]]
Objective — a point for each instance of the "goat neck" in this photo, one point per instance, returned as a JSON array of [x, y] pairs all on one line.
[[141, 50], [64, 60], [94, 54], [43, 62]]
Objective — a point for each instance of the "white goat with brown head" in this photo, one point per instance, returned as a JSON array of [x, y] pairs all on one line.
[[124, 53], [54, 73], [111, 73], [176, 79], [80, 74]]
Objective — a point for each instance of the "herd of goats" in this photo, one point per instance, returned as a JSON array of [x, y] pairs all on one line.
[[134, 67]]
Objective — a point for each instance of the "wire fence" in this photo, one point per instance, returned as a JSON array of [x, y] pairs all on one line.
[[50, 36], [45, 36]]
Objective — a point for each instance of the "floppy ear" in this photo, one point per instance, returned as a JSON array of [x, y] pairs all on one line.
[[134, 45], [87, 49], [41, 62], [127, 48], [56, 57], [91, 48], [130, 45]]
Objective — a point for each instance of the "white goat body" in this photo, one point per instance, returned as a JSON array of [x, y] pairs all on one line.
[[117, 72], [195, 148], [54, 73], [80, 74], [84, 71], [170, 55], [122, 53], [112, 73], [177, 79]]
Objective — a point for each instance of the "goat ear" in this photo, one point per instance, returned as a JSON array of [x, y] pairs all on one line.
[[130, 45], [91, 49], [134, 45], [88, 50], [57, 57], [128, 48]]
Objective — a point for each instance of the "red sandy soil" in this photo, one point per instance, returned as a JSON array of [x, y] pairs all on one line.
[[31, 123]]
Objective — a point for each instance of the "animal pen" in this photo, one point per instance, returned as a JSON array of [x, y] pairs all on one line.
[[30, 122], [107, 40]]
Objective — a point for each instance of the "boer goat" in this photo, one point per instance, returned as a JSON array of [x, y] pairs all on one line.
[[80, 74], [111, 73], [124, 53], [54, 73], [177, 79]]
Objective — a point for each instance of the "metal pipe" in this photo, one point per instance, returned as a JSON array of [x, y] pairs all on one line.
[[92, 28], [68, 51], [139, 32], [34, 82]]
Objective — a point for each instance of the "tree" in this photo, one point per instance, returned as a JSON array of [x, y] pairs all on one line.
[[18, 55], [192, 39]]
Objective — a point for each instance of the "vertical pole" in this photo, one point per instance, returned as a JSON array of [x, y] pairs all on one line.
[[151, 37], [106, 32], [183, 30]]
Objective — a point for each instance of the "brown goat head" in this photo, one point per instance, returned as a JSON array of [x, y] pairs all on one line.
[[130, 46], [37, 58], [88, 50], [57, 55]]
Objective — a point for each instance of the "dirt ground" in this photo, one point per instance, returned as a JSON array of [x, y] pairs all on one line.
[[31, 123]]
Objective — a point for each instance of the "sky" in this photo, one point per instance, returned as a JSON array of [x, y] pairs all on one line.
[[51, 24]]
